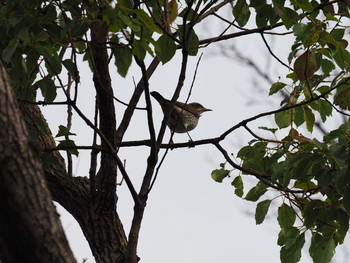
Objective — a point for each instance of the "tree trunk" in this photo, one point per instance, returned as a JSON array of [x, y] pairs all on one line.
[[30, 230]]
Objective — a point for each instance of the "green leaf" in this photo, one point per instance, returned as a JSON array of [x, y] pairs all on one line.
[[346, 198], [309, 118], [9, 50], [286, 216], [305, 5], [327, 66], [256, 192], [48, 89], [238, 184], [63, 131], [291, 234], [283, 118], [299, 30], [146, 20], [191, 39], [278, 3], [292, 254], [263, 14], [325, 109], [123, 59], [138, 49], [343, 219], [53, 64], [261, 211], [311, 213], [70, 144], [273, 130], [305, 185], [342, 98], [219, 174], [289, 17], [322, 248], [72, 68], [241, 12], [277, 86], [165, 49], [298, 116]]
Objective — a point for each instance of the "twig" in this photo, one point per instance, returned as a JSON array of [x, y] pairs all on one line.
[[271, 52]]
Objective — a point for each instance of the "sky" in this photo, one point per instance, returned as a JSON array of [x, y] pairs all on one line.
[[189, 217]]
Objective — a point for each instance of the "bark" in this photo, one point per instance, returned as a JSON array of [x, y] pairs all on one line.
[[102, 228], [95, 211], [30, 230]]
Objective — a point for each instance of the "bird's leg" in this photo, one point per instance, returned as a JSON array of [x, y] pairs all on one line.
[[189, 137]]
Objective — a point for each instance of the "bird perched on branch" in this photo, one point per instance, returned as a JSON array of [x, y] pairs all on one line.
[[184, 117]]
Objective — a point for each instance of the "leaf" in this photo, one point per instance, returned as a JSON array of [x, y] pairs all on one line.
[[290, 236], [305, 5], [53, 64], [298, 116], [69, 144], [327, 66], [342, 98], [273, 130], [146, 20], [8, 52], [238, 184], [261, 211], [299, 30], [286, 216], [283, 118], [138, 49], [346, 198], [219, 174], [276, 87], [289, 17], [191, 39], [325, 109], [173, 11], [165, 49], [48, 89], [241, 12], [123, 59], [263, 14], [322, 248], [63, 131], [71, 67], [309, 118], [292, 254], [305, 65], [343, 219], [256, 192]]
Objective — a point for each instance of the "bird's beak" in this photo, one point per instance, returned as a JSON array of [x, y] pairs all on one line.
[[208, 110]]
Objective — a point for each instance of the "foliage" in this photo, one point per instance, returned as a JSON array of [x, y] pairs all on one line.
[[312, 176]]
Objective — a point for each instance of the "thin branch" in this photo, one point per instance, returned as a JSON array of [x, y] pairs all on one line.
[[271, 52], [261, 138], [113, 152], [238, 34]]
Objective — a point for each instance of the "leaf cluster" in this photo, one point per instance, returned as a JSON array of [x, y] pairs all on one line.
[[311, 176]]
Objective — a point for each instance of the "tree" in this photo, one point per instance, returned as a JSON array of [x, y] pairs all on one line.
[[46, 42]]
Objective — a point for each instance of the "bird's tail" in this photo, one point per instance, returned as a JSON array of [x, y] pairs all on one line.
[[158, 97]]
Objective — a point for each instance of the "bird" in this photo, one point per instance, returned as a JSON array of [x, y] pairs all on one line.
[[184, 117]]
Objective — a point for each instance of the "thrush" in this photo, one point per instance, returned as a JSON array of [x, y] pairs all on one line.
[[183, 117]]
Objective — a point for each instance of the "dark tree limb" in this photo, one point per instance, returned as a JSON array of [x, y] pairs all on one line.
[[23, 192]]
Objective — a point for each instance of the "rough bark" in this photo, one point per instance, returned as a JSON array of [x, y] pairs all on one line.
[[30, 230], [102, 229]]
